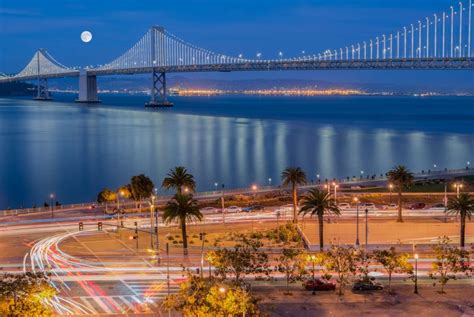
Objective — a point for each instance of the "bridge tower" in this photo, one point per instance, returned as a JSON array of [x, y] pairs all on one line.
[[158, 77], [87, 88], [42, 84]]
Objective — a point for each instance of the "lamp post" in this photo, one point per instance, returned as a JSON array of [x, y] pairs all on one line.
[[390, 187], [51, 197], [254, 190], [269, 181], [335, 191], [215, 185], [416, 273], [458, 186], [202, 236], [366, 229], [357, 243], [168, 272], [222, 204]]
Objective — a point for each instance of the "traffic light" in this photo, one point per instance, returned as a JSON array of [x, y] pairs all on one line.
[[99, 226], [81, 226]]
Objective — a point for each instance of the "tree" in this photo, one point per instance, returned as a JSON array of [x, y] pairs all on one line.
[[202, 297], [294, 176], [182, 208], [179, 179], [25, 295], [318, 202], [244, 258], [462, 206], [400, 177], [141, 187], [393, 262], [343, 261], [106, 196], [292, 263], [450, 261]]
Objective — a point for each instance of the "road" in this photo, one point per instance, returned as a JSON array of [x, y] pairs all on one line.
[[101, 272]]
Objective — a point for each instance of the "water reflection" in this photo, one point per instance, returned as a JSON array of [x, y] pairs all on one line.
[[75, 151]]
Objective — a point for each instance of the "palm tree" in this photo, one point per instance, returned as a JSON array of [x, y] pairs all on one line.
[[182, 208], [293, 176], [462, 206], [319, 202], [400, 177], [179, 178]]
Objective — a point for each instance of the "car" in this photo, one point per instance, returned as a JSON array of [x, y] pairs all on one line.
[[344, 205], [417, 206], [367, 285], [253, 208], [319, 285], [438, 207], [209, 210], [233, 209], [369, 206], [390, 207], [92, 207]]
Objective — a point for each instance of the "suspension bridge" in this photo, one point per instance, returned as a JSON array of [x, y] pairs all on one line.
[[441, 41]]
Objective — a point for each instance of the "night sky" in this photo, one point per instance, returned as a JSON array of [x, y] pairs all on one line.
[[229, 27]]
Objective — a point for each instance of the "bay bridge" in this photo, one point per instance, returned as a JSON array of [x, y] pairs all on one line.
[[441, 41]]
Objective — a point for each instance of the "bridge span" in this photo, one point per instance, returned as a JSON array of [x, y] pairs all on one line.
[[441, 41]]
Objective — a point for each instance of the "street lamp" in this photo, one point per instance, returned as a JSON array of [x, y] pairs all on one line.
[[467, 164], [390, 187], [51, 197], [366, 228], [458, 186], [335, 191], [269, 181], [361, 174], [254, 189], [416, 273], [356, 200], [318, 177], [215, 185], [222, 290]]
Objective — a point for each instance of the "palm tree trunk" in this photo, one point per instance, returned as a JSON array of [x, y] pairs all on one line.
[[295, 202], [185, 237], [321, 232], [463, 230], [400, 219]]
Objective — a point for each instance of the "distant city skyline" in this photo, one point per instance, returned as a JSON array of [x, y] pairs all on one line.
[[247, 29]]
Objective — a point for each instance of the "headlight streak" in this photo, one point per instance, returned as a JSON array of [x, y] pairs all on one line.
[[46, 256]]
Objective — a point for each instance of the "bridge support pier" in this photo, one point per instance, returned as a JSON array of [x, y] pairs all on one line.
[[158, 91], [87, 89], [43, 93]]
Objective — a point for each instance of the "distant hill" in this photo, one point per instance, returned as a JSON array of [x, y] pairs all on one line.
[[17, 89]]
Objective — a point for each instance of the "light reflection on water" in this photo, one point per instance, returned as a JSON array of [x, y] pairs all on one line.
[[74, 151]]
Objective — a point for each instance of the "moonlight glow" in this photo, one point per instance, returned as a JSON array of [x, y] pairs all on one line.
[[86, 36]]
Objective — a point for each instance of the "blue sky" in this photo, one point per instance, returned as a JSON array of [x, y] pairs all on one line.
[[229, 27]]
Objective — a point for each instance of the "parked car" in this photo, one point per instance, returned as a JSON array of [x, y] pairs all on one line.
[[369, 206], [319, 285], [417, 206], [344, 206], [367, 285], [391, 206], [209, 210], [438, 207], [253, 208], [233, 209]]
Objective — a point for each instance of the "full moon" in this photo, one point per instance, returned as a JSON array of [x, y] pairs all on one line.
[[86, 36]]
